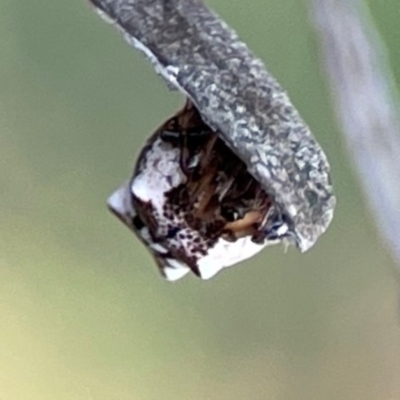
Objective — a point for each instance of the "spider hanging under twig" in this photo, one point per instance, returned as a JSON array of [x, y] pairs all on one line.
[[192, 201]]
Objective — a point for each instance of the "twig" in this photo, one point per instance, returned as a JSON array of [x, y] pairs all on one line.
[[198, 54], [366, 104]]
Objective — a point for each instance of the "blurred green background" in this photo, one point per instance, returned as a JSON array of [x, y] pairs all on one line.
[[83, 311]]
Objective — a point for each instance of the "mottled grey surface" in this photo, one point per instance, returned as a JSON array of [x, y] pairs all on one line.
[[197, 53]]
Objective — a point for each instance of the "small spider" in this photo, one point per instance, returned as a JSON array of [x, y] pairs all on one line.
[[192, 201]]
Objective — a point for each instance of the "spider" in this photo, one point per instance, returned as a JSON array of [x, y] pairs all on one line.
[[192, 201]]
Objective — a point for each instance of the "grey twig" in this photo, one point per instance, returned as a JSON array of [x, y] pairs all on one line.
[[366, 104], [201, 56]]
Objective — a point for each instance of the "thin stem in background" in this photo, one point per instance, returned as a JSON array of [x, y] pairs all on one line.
[[367, 106]]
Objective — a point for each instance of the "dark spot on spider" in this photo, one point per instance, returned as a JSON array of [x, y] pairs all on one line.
[[172, 232], [203, 251], [137, 223], [197, 250]]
